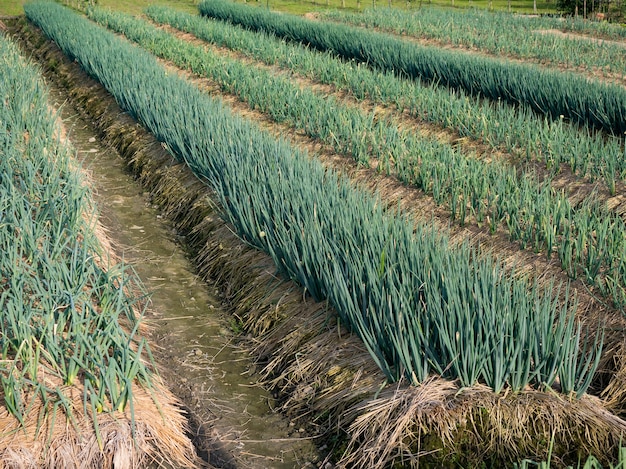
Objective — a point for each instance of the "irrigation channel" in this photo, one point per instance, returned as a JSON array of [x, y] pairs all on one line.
[[193, 342]]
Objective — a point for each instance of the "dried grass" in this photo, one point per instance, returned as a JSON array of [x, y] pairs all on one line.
[[401, 423], [152, 435], [615, 392]]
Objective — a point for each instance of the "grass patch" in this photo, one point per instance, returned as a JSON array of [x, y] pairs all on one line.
[[137, 6], [11, 7], [299, 7]]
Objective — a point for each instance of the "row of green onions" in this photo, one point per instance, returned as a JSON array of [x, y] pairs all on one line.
[[420, 305], [587, 240], [65, 321], [497, 33], [547, 92], [513, 129]]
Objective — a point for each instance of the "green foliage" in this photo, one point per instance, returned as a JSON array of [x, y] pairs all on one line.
[[587, 240], [11, 7], [547, 92], [61, 312], [412, 298], [513, 129], [610, 11], [574, 7], [498, 33]]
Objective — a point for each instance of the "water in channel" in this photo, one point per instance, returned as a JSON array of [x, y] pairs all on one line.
[[191, 337]]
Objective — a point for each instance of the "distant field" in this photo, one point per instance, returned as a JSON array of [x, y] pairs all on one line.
[[13, 7], [136, 6], [305, 6]]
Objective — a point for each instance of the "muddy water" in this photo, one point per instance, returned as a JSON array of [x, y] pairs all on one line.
[[193, 342]]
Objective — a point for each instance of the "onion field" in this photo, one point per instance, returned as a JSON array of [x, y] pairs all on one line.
[[341, 232], [532, 213], [490, 281], [547, 92], [512, 129]]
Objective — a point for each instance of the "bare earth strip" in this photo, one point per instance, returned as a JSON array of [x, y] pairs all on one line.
[[592, 39]]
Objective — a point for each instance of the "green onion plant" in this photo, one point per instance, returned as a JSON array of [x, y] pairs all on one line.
[[419, 304]]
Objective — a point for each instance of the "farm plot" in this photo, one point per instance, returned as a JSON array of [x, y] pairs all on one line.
[[511, 129], [500, 34], [367, 262], [262, 227], [491, 194], [76, 374], [547, 92]]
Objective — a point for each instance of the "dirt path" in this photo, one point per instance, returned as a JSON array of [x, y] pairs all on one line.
[[594, 40]]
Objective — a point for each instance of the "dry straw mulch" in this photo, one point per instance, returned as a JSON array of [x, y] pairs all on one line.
[[399, 425], [149, 433]]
